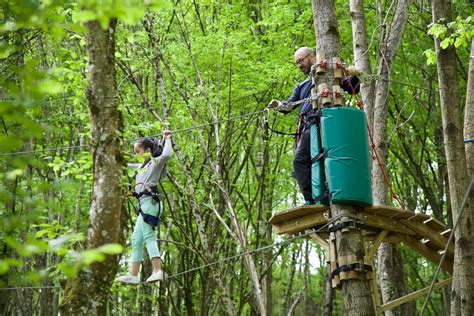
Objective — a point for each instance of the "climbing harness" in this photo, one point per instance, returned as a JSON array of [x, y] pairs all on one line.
[[149, 191]]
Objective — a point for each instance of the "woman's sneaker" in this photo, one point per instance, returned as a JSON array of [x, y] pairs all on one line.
[[129, 279], [156, 276]]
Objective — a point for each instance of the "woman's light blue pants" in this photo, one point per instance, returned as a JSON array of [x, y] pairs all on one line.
[[143, 233]]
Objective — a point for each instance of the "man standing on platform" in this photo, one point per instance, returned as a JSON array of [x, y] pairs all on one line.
[[305, 58]]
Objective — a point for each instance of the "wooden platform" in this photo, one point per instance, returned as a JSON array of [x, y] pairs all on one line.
[[423, 234]]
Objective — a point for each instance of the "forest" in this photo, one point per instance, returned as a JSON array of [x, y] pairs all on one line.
[[82, 81]]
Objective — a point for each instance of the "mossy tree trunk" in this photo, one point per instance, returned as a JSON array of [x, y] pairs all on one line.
[[87, 294]]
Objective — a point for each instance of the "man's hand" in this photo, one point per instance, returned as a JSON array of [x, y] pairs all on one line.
[[353, 71], [167, 134], [273, 104]]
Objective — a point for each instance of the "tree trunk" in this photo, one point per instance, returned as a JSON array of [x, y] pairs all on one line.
[[356, 292], [265, 213], [390, 274], [361, 57], [462, 298], [88, 292], [328, 292], [469, 116]]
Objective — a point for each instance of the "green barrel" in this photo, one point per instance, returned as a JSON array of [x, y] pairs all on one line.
[[347, 164], [318, 186]]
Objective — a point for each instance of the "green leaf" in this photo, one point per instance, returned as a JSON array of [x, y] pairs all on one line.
[[111, 249], [90, 256], [41, 233], [437, 30], [459, 41], [50, 86], [445, 43], [5, 265], [84, 16], [11, 175], [6, 51]]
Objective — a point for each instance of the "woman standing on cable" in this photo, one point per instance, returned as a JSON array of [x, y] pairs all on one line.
[[148, 175]]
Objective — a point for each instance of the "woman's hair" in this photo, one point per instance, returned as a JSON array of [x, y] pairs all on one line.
[[155, 146]]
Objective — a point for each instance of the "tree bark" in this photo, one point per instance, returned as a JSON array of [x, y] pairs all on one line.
[[88, 292], [462, 298], [361, 57], [392, 283], [356, 292], [328, 292], [469, 116]]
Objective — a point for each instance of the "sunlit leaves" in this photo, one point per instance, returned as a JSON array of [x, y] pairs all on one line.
[[430, 56], [58, 239], [49, 86], [456, 33], [130, 12]]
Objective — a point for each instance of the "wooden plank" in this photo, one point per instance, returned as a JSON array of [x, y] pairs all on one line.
[[323, 243], [376, 300], [378, 240], [388, 211], [436, 248], [435, 237], [296, 212], [427, 252], [342, 261], [335, 281], [386, 224], [300, 224], [418, 217], [412, 296], [324, 234]]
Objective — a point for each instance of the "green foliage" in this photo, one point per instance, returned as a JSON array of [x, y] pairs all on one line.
[[130, 12], [430, 56], [203, 60], [458, 33]]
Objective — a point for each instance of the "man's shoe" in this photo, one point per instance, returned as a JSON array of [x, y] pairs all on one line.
[[309, 202], [156, 276], [129, 279]]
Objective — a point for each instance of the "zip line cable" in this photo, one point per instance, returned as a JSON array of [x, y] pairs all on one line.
[[438, 268], [42, 150], [233, 118], [181, 130], [30, 287], [248, 252]]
